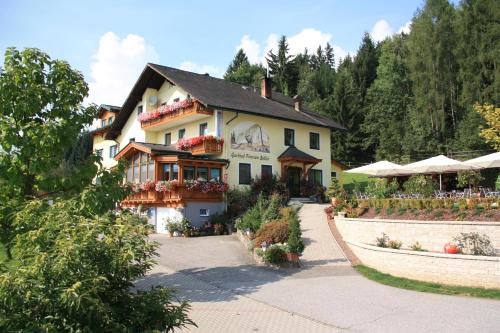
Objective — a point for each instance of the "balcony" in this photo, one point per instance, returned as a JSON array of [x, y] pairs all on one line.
[[202, 145], [176, 196], [174, 115]]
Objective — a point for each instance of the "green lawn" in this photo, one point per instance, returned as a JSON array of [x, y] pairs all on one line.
[[348, 180], [427, 287]]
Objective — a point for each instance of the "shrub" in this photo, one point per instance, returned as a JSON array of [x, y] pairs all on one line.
[[295, 243], [238, 201], [382, 240], [272, 233], [469, 178], [77, 273], [267, 186], [272, 211], [389, 211], [475, 244], [394, 244], [416, 247], [381, 188], [335, 190], [252, 219], [419, 184], [185, 224], [274, 254], [438, 214]]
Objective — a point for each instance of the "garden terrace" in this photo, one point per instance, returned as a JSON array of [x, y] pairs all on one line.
[[174, 114], [161, 175]]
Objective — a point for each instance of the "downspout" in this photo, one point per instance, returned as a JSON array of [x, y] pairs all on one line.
[[227, 150]]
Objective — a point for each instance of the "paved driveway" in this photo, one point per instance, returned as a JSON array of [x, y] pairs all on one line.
[[229, 293]]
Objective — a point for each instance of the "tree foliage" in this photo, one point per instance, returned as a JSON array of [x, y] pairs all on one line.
[[491, 133], [409, 95], [41, 116]]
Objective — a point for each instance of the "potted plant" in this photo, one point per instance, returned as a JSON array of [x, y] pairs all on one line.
[[295, 245], [451, 248], [335, 192], [218, 228], [171, 228], [186, 227]]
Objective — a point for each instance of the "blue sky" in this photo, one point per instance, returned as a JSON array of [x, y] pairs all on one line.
[[110, 41]]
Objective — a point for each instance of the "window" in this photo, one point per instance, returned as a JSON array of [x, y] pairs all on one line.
[[289, 137], [168, 138], [176, 100], [188, 172], [139, 109], [333, 174], [98, 152], [215, 174], [204, 212], [103, 122], [202, 173], [113, 150], [245, 174], [203, 129], [316, 177], [110, 120], [131, 140], [140, 167], [182, 132], [314, 140], [166, 171], [266, 171]]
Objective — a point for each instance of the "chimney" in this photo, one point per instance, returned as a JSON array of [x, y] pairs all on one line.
[[265, 87], [297, 102]]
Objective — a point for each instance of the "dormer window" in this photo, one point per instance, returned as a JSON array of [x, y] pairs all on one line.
[[176, 100], [110, 120], [103, 122], [139, 109]]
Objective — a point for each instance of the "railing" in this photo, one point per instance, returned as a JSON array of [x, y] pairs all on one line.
[[173, 197], [207, 147], [163, 118]]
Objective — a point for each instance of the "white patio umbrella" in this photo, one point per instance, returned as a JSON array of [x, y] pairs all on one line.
[[438, 165], [378, 169], [486, 161]]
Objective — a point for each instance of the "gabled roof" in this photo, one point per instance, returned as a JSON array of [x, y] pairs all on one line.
[[293, 153], [162, 150], [110, 108], [219, 94]]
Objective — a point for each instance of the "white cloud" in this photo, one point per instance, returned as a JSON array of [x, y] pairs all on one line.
[[405, 28], [381, 30], [201, 69], [116, 65], [251, 48], [307, 38]]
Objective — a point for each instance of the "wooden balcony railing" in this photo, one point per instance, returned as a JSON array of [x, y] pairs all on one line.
[[171, 198], [163, 119], [207, 147]]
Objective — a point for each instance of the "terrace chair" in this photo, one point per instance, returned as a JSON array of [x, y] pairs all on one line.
[[440, 194]]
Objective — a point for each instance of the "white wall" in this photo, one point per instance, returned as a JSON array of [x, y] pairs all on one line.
[[162, 213]]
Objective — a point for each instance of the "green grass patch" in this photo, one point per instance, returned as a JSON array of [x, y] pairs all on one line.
[[348, 180], [426, 287]]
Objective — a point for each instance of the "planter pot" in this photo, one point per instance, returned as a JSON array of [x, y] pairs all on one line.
[[177, 234], [451, 248], [171, 234], [186, 233], [229, 227], [292, 257]]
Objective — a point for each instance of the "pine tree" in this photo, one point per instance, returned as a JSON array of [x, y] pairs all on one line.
[[240, 59], [433, 71], [283, 69], [388, 100], [241, 71]]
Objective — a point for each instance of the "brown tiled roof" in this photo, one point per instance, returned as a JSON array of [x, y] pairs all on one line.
[[219, 94]]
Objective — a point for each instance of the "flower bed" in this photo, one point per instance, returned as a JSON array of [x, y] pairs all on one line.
[[206, 186], [187, 144], [165, 109], [166, 186]]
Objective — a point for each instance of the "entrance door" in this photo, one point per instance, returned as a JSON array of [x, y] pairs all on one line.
[[293, 181]]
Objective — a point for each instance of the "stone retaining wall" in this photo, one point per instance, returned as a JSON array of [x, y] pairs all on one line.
[[432, 235], [453, 269]]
